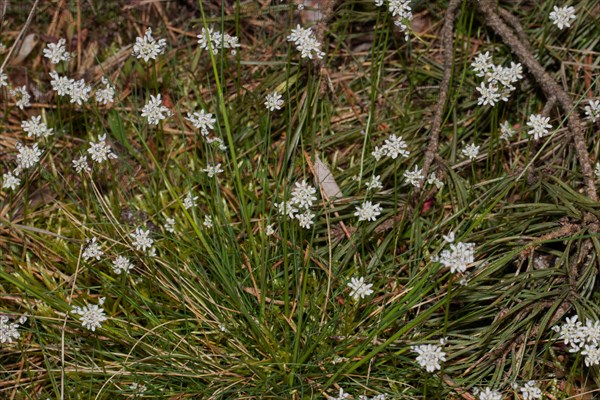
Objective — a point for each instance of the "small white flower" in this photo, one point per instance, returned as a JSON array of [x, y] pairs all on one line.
[[597, 170], [489, 394], [506, 131], [482, 64], [592, 110], [106, 94], [217, 40], [269, 230], [57, 52], [489, 94], [433, 180], [208, 222], [449, 238], [28, 157], [22, 97], [35, 127], [306, 42], [341, 395], [202, 120], [142, 240], [10, 181], [302, 195], [91, 316], [458, 257], [368, 211], [80, 164], [170, 225], [305, 219], [121, 265], [100, 151], [3, 79], [395, 146], [531, 391], [378, 3], [154, 111], [414, 177], [60, 84], [563, 16], [189, 201], [471, 151], [147, 47], [592, 355], [273, 101], [539, 126], [212, 170], [429, 356], [359, 288], [8, 330], [79, 92], [92, 249], [374, 183]]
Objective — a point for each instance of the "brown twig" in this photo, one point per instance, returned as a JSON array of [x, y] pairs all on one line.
[[548, 85], [447, 45]]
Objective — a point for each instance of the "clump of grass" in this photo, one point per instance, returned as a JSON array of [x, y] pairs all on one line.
[[213, 287]]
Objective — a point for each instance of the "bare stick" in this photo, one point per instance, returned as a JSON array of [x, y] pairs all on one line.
[[18, 39], [447, 45], [549, 86]]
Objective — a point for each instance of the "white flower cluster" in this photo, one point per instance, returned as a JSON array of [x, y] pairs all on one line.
[[121, 265], [429, 356], [539, 126], [592, 110], [581, 338], [359, 288], [36, 128], [414, 177], [217, 40], [78, 91], [368, 211], [57, 52], [143, 242], [506, 131], [394, 146], [147, 47], [273, 101], [189, 201], [106, 94], [100, 151], [471, 151], [154, 111], [8, 330], [22, 96], [343, 395], [401, 12], [487, 394], [499, 80], [91, 316], [298, 206], [306, 42], [28, 157], [562, 16], [530, 391], [458, 257], [92, 249], [202, 120]]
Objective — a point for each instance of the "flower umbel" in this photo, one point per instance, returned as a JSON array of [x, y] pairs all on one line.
[[147, 47], [57, 52], [539, 126], [563, 16], [359, 288], [368, 211], [154, 111], [429, 356], [91, 316]]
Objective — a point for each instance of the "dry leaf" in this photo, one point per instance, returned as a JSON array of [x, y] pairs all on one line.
[[25, 49], [325, 180]]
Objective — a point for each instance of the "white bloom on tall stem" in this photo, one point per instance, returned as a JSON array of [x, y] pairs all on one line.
[[530, 391], [359, 288], [60, 84], [189, 201], [3, 79], [273, 101], [368, 211], [79, 92], [28, 157], [100, 151], [92, 249], [10, 181], [142, 240], [57, 52], [91, 316], [22, 97], [592, 110], [562, 16], [414, 177], [429, 356], [471, 151], [80, 164], [203, 121], [147, 48], [105, 94], [121, 265], [154, 111], [306, 42], [35, 127], [539, 126]]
